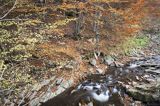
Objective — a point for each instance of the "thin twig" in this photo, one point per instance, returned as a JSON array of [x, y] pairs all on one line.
[[5, 4], [15, 3], [1, 78], [14, 19]]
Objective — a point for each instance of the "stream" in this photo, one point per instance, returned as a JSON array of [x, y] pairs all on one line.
[[136, 83]]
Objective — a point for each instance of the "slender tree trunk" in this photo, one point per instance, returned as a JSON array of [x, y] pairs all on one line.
[[96, 29], [79, 24]]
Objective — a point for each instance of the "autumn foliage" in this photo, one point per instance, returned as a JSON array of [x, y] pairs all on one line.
[[123, 17]]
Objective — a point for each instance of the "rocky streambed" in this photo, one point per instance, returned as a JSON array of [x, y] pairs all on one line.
[[136, 83]]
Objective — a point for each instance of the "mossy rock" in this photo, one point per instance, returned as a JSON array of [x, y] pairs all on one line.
[[145, 97], [144, 93]]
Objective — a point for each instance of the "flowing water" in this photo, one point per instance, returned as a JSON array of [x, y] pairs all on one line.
[[108, 89]]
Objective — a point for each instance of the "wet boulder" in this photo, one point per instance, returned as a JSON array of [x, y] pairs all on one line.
[[147, 91]]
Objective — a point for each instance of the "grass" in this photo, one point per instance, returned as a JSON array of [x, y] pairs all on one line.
[[134, 43], [131, 44]]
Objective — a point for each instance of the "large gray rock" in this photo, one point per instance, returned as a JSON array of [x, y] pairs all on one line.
[[60, 85], [145, 92]]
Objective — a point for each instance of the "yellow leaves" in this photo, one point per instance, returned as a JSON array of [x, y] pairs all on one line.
[[61, 22], [32, 22], [50, 49], [56, 27], [31, 41], [2, 67], [1, 64], [120, 12], [81, 5], [68, 6], [18, 47], [30, 9], [59, 32], [103, 0]]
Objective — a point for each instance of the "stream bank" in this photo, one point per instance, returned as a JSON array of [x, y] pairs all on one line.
[[137, 83]]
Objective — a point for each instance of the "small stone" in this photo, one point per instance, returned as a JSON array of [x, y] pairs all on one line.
[[137, 77], [59, 90], [7, 101], [99, 71], [90, 104], [93, 62], [34, 102], [50, 64], [12, 104], [109, 77], [138, 103], [151, 80], [15, 100], [127, 86], [45, 82], [129, 83], [114, 90], [126, 71], [71, 65], [59, 81], [108, 60], [79, 104], [131, 66], [92, 40], [118, 64], [134, 83], [90, 69], [146, 76]]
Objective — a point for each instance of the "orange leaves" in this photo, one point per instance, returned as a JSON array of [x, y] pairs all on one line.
[[68, 6], [135, 9], [58, 51], [153, 8], [133, 16], [81, 5], [122, 16], [106, 1]]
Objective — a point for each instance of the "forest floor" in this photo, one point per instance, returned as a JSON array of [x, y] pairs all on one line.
[[42, 54]]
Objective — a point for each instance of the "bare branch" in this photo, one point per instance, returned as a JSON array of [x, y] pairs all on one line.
[[14, 19], [5, 5], [15, 3]]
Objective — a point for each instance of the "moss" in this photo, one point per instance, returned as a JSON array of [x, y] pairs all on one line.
[[132, 44]]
